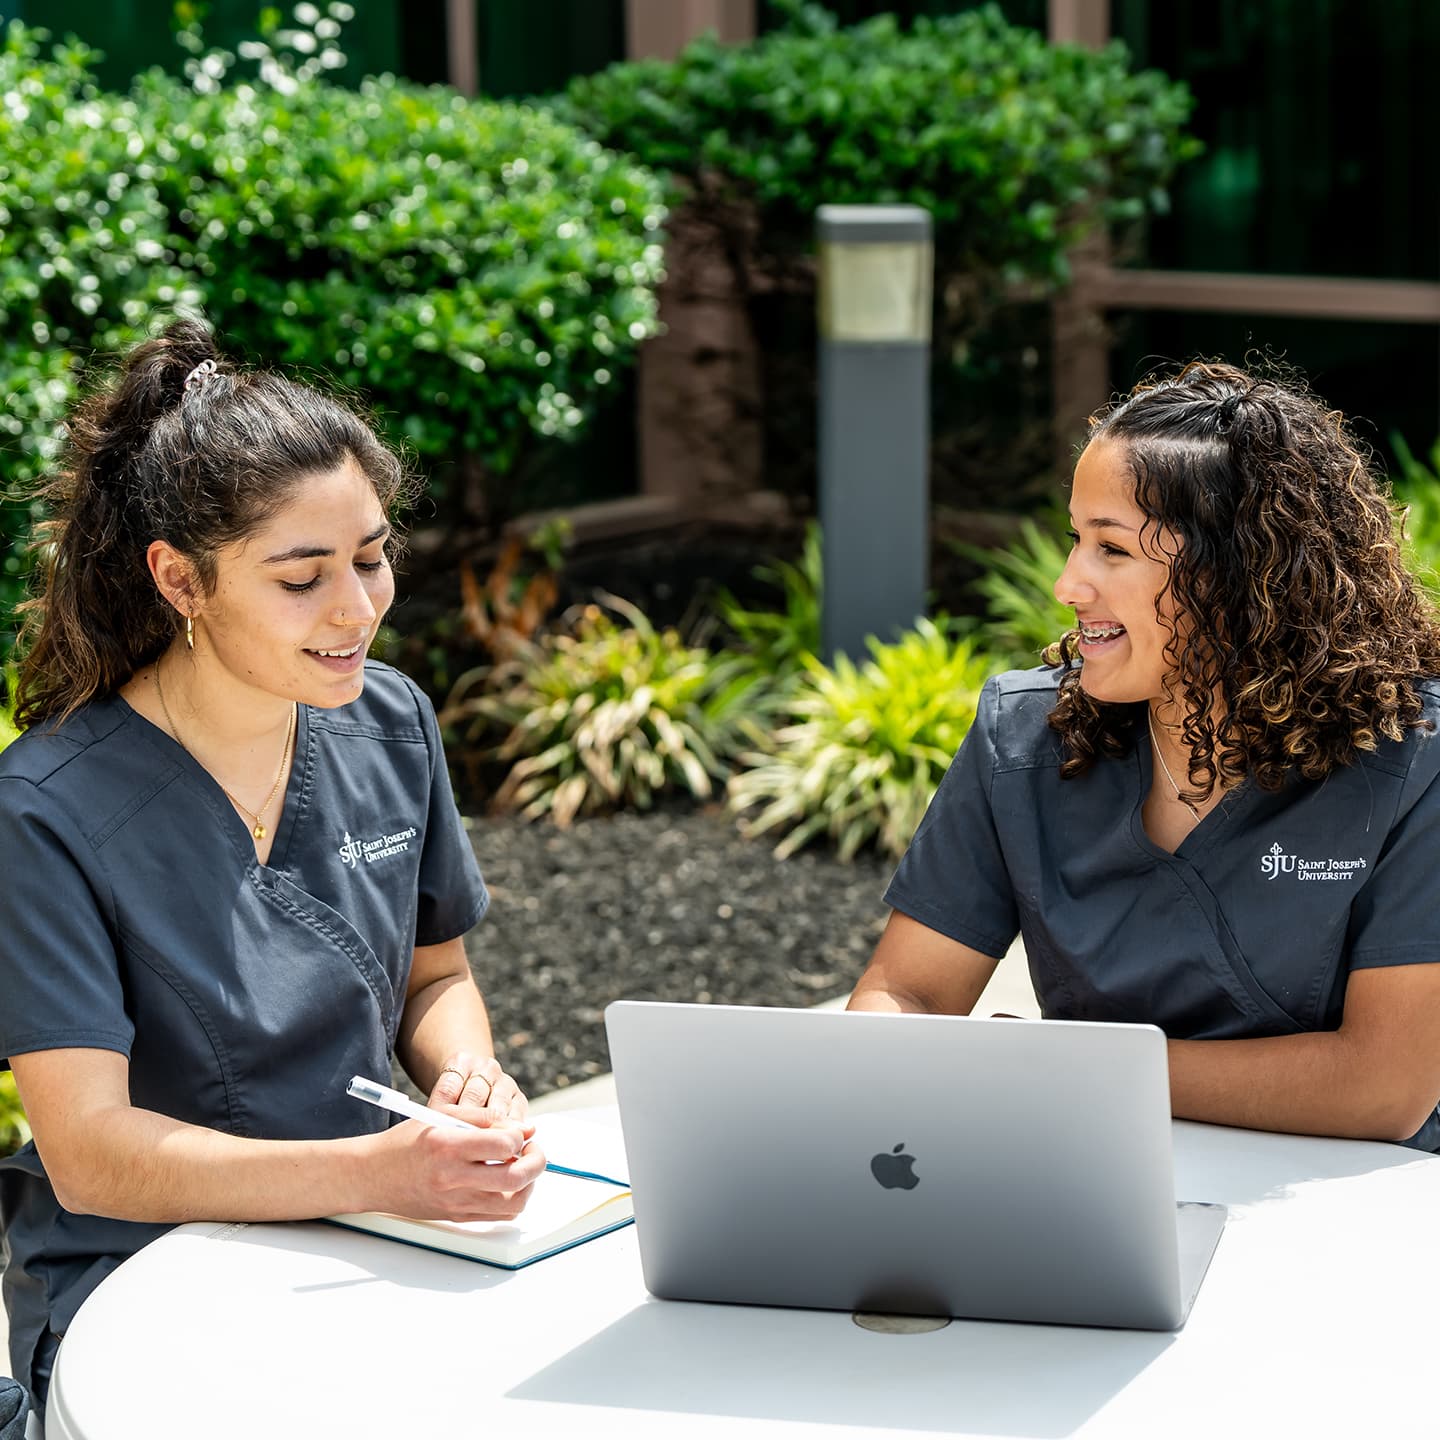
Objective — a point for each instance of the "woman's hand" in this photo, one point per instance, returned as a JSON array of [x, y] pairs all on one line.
[[478, 1082], [445, 1016], [431, 1172], [107, 1157]]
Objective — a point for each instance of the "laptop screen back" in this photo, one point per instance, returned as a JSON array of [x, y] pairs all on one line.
[[999, 1169]]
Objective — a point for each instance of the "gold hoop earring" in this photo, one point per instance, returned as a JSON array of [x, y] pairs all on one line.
[[189, 632]]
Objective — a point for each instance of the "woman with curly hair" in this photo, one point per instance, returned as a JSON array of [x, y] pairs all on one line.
[[1217, 807]]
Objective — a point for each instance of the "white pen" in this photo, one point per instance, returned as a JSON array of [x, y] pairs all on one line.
[[374, 1093]]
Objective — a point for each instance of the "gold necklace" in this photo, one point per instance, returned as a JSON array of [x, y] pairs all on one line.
[[259, 831], [1155, 746]]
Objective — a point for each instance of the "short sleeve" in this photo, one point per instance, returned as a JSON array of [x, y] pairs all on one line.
[[60, 981], [1392, 921], [452, 896], [953, 877]]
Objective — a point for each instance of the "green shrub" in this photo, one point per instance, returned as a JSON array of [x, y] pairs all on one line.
[[770, 646], [867, 745], [478, 270], [604, 718], [14, 1130], [1022, 615], [7, 709], [15, 523], [1012, 144], [83, 259], [1418, 490]]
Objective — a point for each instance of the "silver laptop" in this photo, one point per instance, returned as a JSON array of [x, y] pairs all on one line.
[[914, 1164]]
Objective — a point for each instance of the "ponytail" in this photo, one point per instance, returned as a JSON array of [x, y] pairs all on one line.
[[181, 447]]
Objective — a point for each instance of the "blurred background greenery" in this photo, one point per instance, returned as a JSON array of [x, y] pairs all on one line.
[[489, 273]]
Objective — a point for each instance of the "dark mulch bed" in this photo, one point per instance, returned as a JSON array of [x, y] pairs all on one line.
[[672, 905]]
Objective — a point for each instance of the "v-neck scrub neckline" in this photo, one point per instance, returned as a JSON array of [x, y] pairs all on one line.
[[292, 798], [1202, 835]]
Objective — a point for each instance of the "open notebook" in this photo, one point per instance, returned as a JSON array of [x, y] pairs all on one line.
[[580, 1196]]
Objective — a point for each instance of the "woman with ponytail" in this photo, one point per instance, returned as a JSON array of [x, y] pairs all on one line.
[[1216, 808], [235, 874]]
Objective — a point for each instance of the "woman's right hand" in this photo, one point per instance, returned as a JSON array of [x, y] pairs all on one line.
[[429, 1172]]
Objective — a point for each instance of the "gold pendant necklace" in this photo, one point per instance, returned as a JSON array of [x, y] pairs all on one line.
[[1155, 746], [258, 831]]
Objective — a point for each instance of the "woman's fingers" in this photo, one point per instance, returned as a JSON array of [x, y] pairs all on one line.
[[507, 1097], [494, 1191], [479, 1081], [450, 1081]]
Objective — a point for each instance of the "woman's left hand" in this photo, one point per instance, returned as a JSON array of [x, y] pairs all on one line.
[[469, 1079]]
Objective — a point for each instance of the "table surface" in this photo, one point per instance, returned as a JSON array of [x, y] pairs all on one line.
[[1318, 1317]]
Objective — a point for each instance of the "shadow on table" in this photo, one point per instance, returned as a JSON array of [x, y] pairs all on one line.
[[1242, 1167], [815, 1366], [397, 1262]]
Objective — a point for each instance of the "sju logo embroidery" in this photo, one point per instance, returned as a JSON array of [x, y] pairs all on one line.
[[352, 852], [1276, 862]]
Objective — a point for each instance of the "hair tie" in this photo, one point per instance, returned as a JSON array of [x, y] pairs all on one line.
[[1229, 409], [199, 375]]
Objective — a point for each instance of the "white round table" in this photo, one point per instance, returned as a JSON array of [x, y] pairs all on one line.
[[1318, 1318]]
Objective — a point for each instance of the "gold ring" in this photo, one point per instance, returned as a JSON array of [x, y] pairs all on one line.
[[451, 1070], [489, 1084]]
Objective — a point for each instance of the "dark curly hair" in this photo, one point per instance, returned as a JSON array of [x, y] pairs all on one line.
[[155, 455], [1302, 614]]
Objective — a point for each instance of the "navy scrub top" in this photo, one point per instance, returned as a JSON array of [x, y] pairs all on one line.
[[1250, 928], [135, 917]]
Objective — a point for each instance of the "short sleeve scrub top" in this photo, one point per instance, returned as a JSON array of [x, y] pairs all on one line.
[[1251, 928], [135, 917]]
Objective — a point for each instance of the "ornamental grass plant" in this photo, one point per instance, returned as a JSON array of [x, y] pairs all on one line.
[[866, 745], [605, 716], [7, 708], [769, 646], [1418, 490], [14, 1127], [1022, 616]]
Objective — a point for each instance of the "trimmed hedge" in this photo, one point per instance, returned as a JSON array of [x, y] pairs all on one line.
[[1014, 145], [479, 271]]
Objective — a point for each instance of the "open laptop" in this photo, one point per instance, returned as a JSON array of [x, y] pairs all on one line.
[[916, 1164]]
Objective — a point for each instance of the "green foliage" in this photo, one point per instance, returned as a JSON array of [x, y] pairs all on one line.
[[14, 1128], [1012, 144], [7, 709], [14, 1131], [1418, 490], [867, 746], [82, 261], [16, 519], [771, 645], [1023, 616], [478, 270], [606, 717]]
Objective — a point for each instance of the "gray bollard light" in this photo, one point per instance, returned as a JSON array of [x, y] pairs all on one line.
[[876, 273]]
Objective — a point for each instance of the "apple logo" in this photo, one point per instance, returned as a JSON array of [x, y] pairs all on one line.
[[893, 1170]]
